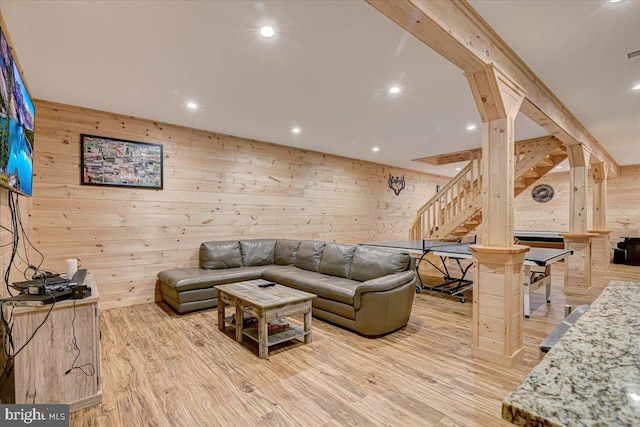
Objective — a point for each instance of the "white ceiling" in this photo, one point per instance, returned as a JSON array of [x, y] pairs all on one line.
[[327, 70]]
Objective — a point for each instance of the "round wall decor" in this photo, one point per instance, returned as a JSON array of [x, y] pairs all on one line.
[[542, 193]]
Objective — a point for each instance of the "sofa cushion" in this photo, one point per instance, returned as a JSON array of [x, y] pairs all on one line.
[[369, 263], [329, 287], [184, 279], [286, 251], [223, 254], [309, 255], [169, 292], [336, 259], [332, 306], [257, 252]]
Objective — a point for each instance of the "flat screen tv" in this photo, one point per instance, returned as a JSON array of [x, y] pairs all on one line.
[[17, 116]]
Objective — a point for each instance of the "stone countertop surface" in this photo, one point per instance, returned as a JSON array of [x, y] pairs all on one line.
[[591, 377]]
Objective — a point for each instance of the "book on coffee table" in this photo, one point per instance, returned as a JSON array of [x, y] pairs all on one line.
[[277, 325]]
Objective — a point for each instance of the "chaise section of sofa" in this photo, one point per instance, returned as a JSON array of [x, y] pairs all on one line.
[[221, 262], [368, 290]]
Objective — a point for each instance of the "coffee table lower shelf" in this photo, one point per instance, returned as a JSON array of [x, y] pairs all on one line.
[[265, 303], [286, 334]]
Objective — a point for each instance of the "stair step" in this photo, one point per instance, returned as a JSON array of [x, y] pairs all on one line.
[[546, 162], [531, 174]]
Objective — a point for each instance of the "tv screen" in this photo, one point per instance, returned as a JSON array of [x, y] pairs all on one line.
[[17, 116]]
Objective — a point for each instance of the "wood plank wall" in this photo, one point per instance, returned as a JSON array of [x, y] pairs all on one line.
[[623, 200], [216, 187], [25, 253], [6, 239]]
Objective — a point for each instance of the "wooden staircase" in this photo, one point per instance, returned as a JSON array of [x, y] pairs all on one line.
[[456, 210]]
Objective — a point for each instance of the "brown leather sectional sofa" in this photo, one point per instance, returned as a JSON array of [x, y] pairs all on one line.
[[365, 289]]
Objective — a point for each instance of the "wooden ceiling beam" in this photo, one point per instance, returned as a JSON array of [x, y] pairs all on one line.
[[456, 31], [446, 159], [475, 153]]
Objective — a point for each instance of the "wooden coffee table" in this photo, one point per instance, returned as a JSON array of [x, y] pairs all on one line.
[[266, 304]]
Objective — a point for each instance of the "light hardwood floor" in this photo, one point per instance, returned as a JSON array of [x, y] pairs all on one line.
[[162, 369]]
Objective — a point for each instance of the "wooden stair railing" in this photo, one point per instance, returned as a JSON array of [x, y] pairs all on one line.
[[456, 209], [447, 205]]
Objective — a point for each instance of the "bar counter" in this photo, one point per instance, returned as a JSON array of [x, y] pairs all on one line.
[[591, 377]]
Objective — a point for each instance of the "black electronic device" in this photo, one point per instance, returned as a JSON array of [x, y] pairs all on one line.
[[35, 289], [26, 300], [266, 285], [77, 292], [78, 278], [44, 275], [45, 282], [78, 288]]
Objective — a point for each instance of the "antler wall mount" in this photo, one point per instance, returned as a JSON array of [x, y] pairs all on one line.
[[397, 184]]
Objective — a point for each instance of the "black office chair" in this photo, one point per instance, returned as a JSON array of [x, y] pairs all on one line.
[[620, 253], [633, 250]]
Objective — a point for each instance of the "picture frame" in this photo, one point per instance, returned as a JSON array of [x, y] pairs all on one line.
[[116, 162]]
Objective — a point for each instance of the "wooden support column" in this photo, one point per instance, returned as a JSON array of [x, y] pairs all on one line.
[[498, 280], [577, 268], [600, 244]]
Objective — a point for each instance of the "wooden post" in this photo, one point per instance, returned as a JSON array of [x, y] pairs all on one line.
[[600, 245], [498, 280], [577, 268], [498, 303]]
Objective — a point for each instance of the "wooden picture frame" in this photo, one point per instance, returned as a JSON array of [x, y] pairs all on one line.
[[120, 163]]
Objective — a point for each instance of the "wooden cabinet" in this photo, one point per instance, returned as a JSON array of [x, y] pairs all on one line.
[[40, 368]]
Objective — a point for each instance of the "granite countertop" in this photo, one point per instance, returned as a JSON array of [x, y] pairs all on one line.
[[591, 377]]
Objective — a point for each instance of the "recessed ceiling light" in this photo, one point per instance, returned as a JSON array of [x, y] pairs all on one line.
[[192, 105], [615, 1], [471, 127], [375, 149], [296, 129], [636, 87], [458, 169], [394, 90], [558, 167], [267, 31]]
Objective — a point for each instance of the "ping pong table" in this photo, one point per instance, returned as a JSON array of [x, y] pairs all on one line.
[[540, 239], [536, 265], [444, 249]]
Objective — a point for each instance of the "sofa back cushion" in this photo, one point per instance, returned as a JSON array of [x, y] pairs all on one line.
[[309, 255], [286, 251], [370, 263], [336, 259], [257, 252], [223, 254]]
